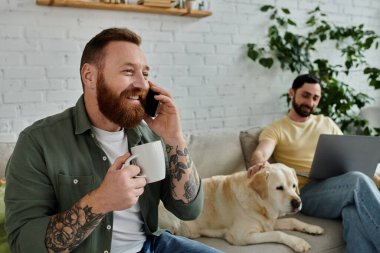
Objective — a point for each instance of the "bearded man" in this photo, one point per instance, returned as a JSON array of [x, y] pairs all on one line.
[[292, 140], [68, 189]]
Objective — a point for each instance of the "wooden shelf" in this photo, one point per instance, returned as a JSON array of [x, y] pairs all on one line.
[[124, 7]]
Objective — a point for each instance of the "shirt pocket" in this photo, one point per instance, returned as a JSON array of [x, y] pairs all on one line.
[[73, 188]]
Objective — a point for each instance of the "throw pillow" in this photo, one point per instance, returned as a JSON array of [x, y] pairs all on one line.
[[249, 139]]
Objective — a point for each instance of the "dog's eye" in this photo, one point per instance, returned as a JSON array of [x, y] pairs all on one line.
[[280, 188], [294, 186]]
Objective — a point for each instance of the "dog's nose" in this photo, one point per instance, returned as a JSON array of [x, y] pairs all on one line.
[[295, 203]]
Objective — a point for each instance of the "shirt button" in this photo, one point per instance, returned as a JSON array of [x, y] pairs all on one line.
[[104, 158], [106, 251], [108, 227], [75, 181]]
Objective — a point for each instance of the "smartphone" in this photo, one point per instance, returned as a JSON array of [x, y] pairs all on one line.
[[151, 104]]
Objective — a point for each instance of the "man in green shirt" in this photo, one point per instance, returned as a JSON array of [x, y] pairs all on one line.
[[68, 189]]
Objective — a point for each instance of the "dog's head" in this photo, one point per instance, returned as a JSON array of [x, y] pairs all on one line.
[[278, 185]]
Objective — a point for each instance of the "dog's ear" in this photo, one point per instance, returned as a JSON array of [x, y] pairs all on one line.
[[296, 179], [259, 183]]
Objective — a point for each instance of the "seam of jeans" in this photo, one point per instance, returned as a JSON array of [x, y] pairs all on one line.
[[361, 202]]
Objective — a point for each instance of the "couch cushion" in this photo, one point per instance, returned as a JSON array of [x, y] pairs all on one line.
[[331, 241], [216, 154]]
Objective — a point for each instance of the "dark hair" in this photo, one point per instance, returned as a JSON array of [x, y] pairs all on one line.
[[93, 51], [302, 79]]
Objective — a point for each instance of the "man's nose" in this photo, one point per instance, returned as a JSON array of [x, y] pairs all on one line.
[[140, 82], [310, 102]]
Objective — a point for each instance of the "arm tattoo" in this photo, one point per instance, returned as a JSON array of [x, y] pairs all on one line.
[[70, 228], [179, 164]]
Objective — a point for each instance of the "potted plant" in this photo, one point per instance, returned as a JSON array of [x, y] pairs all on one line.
[[294, 52]]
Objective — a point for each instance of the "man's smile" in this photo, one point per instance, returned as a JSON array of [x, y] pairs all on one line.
[[134, 97]]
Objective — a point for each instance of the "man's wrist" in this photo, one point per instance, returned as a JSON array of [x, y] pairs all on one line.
[[93, 200], [256, 162], [175, 141]]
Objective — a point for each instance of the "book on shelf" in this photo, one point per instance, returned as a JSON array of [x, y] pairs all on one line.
[[159, 3], [156, 1]]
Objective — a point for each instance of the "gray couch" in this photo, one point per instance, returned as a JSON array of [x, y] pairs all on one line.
[[226, 153]]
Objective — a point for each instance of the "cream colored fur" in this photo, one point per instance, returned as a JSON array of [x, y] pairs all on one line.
[[245, 210], [377, 180]]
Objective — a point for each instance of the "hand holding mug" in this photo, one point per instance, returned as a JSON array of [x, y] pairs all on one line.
[[151, 160], [120, 188]]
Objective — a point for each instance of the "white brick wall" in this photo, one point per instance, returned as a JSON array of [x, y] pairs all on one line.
[[201, 60]]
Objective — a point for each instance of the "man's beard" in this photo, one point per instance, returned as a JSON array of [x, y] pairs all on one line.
[[302, 110], [117, 108]]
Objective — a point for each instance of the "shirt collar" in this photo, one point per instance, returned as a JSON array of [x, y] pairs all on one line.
[[82, 122], [134, 136]]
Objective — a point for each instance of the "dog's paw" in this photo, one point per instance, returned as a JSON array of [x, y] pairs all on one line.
[[314, 230], [300, 245]]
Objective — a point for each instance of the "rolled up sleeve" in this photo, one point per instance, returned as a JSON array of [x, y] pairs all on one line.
[[186, 211]]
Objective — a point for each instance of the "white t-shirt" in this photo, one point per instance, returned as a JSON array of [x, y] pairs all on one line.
[[128, 227]]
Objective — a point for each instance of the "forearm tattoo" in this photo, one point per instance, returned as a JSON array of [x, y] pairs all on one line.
[[179, 164], [68, 229]]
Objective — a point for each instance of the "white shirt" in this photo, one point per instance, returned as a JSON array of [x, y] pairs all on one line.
[[128, 234]]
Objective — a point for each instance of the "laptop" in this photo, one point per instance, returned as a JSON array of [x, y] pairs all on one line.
[[338, 154]]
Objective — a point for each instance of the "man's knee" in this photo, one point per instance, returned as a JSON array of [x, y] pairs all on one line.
[[357, 178]]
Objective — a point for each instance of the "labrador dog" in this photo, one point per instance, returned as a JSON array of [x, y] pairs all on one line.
[[245, 210]]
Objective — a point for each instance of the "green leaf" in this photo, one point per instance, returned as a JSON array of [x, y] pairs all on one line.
[[289, 37], [291, 22], [322, 37], [368, 42], [376, 85], [348, 64], [281, 21], [367, 70], [253, 54], [286, 11], [265, 8], [266, 62], [311, 21]]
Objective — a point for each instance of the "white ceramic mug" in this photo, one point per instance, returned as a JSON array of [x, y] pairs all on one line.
[[151, 160]]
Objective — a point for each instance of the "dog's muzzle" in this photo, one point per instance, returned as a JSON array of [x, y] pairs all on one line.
[[296, 204]]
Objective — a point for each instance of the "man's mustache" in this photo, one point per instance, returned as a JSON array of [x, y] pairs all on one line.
[[306, 106]]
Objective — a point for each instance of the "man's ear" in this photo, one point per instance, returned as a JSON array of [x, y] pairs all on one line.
[[291, 92], [89, 75]]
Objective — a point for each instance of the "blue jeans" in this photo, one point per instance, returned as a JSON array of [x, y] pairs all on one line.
[[353, 197], [169, 243]]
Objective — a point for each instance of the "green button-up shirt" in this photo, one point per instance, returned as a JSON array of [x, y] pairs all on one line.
[[57, 161]]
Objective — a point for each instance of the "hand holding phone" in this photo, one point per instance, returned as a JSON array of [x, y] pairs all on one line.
[[151, 104]]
